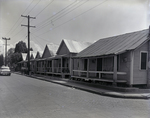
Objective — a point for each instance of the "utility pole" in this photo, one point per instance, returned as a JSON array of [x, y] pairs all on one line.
[[6, 49], [28, 39]]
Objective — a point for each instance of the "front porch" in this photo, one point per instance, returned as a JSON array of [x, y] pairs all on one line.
[[101, 69], [58, 66]]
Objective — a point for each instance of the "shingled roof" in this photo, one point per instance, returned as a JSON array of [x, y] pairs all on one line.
[[116, 44]]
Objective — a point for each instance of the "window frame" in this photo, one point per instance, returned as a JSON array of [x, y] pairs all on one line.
[[146, 60]]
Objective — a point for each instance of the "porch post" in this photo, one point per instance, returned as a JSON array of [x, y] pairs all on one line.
[[115, 71], [148, 78], [62, 75], [88, 64], [131, 68], [71, 66], [46, 66], [53, 66]]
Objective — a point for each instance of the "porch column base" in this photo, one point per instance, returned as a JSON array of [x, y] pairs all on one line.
[[114, 84]]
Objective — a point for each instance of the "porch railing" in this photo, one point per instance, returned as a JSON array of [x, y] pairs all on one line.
[[61, 70], [86, 75]]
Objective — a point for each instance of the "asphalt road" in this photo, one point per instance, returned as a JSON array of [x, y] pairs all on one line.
[[25, 97]]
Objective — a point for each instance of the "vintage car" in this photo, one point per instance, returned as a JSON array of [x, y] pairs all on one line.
[[4, 70]]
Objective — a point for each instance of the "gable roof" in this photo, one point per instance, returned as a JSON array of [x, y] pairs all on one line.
[[74, 46], [50, 50], [38, 54], [32, 55], [52, 47], [24, 55], [116, 44]]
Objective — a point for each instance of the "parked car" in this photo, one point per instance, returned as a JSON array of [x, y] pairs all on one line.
[[4, 70]]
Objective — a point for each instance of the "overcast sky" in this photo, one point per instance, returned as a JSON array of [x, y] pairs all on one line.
[[81, 20]]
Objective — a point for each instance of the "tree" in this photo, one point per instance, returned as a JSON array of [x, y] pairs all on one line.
[[16, 57], [1, 60], [21, 47], [10, 53]]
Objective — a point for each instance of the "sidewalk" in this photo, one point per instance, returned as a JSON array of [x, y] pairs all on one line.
[[118, 92]]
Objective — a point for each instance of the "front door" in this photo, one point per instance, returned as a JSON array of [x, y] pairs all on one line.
[[99, 65]]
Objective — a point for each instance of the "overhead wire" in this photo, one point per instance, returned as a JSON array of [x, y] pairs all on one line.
[[24, 38], [37, 41], [44, 8], [39, 37], [47, 20], [34, 6], [75, 17], [23, 19], [19, 18], [36, 15], [61, 15], [69, 11]]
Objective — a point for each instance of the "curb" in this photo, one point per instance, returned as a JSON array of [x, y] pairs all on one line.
[[108, 93]]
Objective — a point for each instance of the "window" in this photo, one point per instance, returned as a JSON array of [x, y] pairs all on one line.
[[143, 63]]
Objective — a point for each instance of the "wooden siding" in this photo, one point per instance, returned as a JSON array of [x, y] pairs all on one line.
[[124, 66], [46, 53], [75, 66], [63, 49], [139, 76], [92, 67], [148, 81]]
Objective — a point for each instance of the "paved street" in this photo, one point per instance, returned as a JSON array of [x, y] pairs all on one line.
[[24, 97]]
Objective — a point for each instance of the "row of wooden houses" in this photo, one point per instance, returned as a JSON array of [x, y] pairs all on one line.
[[119, 59]]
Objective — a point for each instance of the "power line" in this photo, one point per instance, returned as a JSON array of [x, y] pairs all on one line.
[[23, 19], [34, 6], [41, 23], [44, 8], [17, 32], [34, 37], [39, 37], [69, 11], [28, 39], [75, 16], [46, 24], [24, 38], [61, 15]]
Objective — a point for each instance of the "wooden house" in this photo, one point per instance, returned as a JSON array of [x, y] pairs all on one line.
[[38, 55], [61, 63], [41, 64], [34, 56], [119, 59], [23, 63]]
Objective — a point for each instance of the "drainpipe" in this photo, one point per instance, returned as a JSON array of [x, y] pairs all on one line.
[[130, 82], [148, 78], [115, 71]]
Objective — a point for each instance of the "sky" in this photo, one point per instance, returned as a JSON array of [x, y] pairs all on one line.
[[80, 20]]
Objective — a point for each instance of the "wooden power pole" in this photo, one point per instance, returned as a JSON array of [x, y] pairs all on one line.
[[6, 49], [28, 40]]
